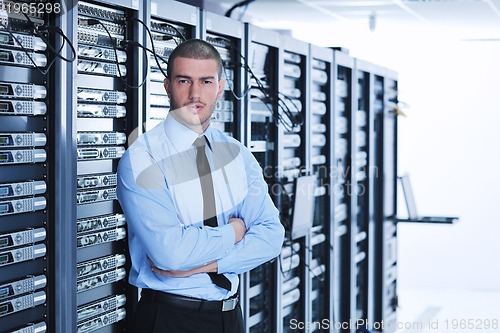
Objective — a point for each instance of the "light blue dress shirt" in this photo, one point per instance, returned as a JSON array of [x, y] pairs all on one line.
[[160, 194]]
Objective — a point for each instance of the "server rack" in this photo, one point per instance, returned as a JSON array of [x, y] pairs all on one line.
[[344, 105], [108, 75], [27, 116], [260, 300], [373, 78], [362, 196], [318, 240], [385, 187], [292, 153]]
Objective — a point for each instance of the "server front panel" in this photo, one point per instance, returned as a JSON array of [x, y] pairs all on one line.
[[26, 117]]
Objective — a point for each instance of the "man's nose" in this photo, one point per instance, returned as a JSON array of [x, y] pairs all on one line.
[[194, 93]]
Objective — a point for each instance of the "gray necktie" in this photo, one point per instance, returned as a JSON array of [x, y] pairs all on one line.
[[207, 190]]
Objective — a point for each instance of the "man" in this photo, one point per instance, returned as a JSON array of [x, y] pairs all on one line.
[[197, 207]]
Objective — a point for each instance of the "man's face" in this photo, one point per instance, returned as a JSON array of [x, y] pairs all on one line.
[[193, 89]]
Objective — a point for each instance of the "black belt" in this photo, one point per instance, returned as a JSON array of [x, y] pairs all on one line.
[[189, 302]]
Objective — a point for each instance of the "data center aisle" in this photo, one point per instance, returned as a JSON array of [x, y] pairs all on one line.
[[428, 310]]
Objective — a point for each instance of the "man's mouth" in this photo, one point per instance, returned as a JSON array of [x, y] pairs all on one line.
[[195, 106]]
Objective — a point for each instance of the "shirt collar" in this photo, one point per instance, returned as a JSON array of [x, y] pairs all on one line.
[[181, 136]]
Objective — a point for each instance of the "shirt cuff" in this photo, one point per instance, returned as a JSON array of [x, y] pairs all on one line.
[[228, 238], [224, 264]]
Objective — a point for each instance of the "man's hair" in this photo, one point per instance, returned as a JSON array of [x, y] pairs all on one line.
[[195, 49]]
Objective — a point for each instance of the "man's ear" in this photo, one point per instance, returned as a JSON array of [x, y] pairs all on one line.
[[166, 84], [221, 88]]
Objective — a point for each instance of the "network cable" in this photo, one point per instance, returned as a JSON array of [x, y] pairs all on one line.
[[37, 32], [153, 51], [295, 119], [49, 28], [239, 4], [58, 30], [260, 86], [322, 277], [248, 88], [176, 30], [27, 52], [91, 22]]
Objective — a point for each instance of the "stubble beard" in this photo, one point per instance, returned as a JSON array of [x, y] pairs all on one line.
[[184, 114]]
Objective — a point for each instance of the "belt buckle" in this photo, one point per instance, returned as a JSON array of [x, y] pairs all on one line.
[[230, 304]]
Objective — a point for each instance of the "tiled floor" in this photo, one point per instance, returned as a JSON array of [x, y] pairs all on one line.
[[448, 311]]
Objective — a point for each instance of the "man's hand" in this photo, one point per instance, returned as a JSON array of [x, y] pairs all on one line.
[[209, 268], [240, 228]]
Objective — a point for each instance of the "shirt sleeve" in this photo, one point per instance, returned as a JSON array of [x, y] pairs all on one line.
[[151, 216], [265, 233]]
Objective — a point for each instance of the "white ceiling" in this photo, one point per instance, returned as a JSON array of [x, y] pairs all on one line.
[[469, 19]]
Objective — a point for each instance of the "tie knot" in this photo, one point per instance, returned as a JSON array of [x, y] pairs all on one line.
[[200, 142]]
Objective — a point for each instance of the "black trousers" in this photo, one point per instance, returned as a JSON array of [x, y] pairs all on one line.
[[157, 317]]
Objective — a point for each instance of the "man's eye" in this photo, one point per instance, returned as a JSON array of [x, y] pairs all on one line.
[[207, 82]]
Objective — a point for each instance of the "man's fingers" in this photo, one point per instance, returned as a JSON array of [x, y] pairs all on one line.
[[159, 271]]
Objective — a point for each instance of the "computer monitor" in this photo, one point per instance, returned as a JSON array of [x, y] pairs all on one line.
[[303, 205]]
